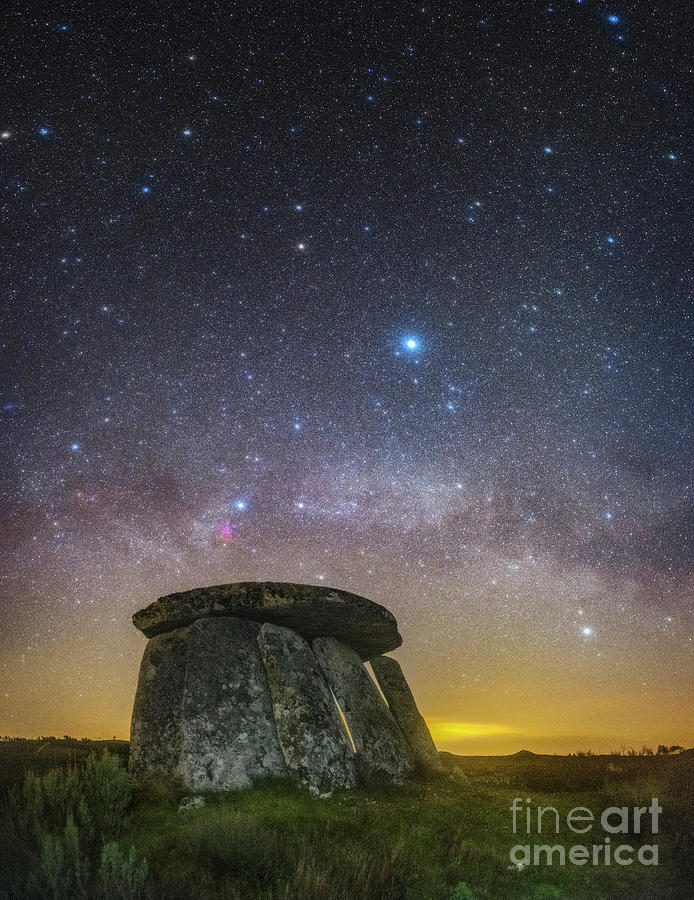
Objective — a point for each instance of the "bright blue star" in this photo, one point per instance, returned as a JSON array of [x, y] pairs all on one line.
[[187, 132], [548, 149], [240, 505], [297, 426], [613, 19], [411, 343], [44, 131], [74, 447], [145, 190], [298, 207], [610, 240]]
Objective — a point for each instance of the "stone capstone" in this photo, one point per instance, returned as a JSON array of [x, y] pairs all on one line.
[[314, 741], [382, 752], [311, 611], [402, 705]]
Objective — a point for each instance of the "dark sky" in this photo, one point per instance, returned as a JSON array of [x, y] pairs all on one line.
[[388, 297]]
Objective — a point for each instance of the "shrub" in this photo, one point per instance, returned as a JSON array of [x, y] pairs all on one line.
[[57, 828], [121, 877], [106, 790], [43, 802], [60, 868]]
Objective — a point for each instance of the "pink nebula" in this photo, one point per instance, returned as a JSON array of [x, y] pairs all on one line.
[[226, 531]]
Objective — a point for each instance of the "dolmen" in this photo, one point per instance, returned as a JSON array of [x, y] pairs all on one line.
[[254, 680]]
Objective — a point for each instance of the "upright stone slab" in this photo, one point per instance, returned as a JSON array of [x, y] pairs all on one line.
[[402, 705], [203, 713], [155, 731], [229, 740], [311, 733], [382, 751]]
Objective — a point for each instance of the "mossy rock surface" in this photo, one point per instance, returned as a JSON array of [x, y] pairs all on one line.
[[310, 610], [311, 733]]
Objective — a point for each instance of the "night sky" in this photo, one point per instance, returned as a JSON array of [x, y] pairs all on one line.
[[385, 297]]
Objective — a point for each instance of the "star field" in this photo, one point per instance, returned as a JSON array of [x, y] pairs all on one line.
[[391, 298]]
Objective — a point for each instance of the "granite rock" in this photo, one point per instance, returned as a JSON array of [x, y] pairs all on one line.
[[203, 713], [402, 705], [314, 741], [309, 610], [155, 731], [229, 740], [382, 752]]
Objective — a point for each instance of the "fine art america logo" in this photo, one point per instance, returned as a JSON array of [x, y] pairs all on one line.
[[539, 821]]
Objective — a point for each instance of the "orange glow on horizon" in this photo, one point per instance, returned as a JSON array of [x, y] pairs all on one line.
[[443, 732]]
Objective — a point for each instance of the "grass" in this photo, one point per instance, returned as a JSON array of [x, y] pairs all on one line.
[[431, 839], [40, 755]]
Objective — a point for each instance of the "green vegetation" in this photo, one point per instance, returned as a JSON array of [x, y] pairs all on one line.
[[79, 833], [39, 755], [59, 834]]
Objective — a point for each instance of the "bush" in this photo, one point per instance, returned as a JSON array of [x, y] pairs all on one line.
[[106, 789], [59, 828], [61, 869], [121, 877]]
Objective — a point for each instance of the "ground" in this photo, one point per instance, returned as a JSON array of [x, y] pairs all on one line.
[[441, 838]]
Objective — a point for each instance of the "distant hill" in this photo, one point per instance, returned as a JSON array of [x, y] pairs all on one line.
[[530, 771]]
